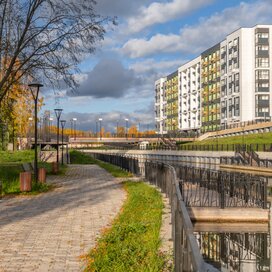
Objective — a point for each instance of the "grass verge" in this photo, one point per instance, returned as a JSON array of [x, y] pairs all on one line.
[[132, 243], [260, 138], [78, 157], [11, 166]]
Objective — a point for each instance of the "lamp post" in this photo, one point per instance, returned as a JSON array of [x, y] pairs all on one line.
[[30, 119], [74, 122], [58, 114], [100, 125], [62, 122], [126, 128], [50, 125], [35, 89]]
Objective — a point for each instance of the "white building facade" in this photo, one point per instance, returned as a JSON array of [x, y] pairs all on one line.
[[160, 103], [189, 95], [244, 78], [246, 75]]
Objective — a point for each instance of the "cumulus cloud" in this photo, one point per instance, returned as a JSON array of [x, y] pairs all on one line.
[[120, 7], [87, 121], [109, 78], [163, 12], [194, 39]]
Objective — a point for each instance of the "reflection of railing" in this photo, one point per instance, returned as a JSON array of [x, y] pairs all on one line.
[[209, 188], [231, 250], [186, 252]]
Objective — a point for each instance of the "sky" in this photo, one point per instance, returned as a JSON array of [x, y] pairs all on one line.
[[152, 39]]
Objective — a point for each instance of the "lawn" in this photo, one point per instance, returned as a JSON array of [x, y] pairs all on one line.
[[253, 139], [77, 157], [11, 166], [132, 243]]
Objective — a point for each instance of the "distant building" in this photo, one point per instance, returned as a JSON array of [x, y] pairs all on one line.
[[228, 83]]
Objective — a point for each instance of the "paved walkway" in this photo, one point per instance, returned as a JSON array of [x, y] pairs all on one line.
[[50, 232]]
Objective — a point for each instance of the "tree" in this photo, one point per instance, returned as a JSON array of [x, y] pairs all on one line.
[[133, 130], [121, 131], [46, 39]]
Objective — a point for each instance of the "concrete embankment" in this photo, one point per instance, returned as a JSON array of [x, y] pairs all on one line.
[[210, 214]]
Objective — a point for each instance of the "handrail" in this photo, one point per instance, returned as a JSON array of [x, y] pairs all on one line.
[[187, 255]]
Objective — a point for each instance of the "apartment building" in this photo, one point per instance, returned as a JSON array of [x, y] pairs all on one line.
[[160, 105], [189, 95], [210, 95], [228, 83], [171, 98]]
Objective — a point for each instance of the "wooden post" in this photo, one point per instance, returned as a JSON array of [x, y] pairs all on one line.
[[42, 175], [25, 181]]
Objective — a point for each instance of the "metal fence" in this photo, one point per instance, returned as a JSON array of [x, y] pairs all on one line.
[[212, 188], [187, 256]]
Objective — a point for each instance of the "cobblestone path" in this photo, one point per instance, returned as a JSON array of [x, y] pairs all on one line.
[[50, 232]]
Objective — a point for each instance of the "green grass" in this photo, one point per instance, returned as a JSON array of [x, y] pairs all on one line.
[[16, 156], [78, 157], [132, 244], [114, 170], [11, 166], [260, 138]]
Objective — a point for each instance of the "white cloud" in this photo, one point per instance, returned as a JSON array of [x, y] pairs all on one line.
[[163, 12], [194, 39], [150, 66]]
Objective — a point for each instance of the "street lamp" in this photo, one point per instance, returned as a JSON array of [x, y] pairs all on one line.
[[35, 89], [126, 128], [50, 125], [74, 122], [100, 124], [30, 119], [58, 114], [62, 122]]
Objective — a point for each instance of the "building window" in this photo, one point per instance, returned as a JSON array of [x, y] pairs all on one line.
[[262, 62], [262, 74]]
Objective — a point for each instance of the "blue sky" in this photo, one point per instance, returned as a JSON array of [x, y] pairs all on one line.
[[152, 39]]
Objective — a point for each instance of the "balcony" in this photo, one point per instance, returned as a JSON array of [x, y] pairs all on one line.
[[263, 41], [262, 54]]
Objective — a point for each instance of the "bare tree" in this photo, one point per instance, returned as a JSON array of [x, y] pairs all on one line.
[[46, 39]]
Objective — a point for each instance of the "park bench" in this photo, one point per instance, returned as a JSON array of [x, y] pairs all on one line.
[[28, 166]]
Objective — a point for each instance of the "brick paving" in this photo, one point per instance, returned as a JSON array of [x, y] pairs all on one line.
[[50, 232]]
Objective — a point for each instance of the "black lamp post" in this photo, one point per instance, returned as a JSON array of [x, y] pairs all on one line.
[[100, 124], [50, 126], [74, 125], [58, 114], [35, 89], [126, 128], [63, 122]]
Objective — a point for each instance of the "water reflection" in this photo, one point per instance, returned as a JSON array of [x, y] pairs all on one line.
[[235, 251]]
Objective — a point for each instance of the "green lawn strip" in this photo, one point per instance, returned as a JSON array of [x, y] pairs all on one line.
[[114, 170], [16, 156], [77, 157], [132, 243], [9, 176], [11, 166], [260, 138]]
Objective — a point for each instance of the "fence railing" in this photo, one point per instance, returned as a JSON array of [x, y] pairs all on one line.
[[212, 188], [187, 255], [192, 147]]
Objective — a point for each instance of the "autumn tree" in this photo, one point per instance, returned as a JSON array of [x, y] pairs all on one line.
[[46, 39], [121, 131], [133, 130]]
